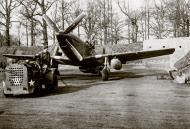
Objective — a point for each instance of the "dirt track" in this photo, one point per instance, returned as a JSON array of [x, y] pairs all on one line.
[[130, 99]]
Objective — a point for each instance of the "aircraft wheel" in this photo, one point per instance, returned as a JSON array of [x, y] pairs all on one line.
[[105, 74]]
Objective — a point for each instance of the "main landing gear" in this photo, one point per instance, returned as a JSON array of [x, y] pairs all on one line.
[[105, 71]]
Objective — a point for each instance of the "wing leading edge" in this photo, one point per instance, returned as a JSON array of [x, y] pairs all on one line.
[[123, 57], [131, 56]]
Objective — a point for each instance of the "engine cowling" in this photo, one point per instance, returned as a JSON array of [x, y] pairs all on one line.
[[116, 64]]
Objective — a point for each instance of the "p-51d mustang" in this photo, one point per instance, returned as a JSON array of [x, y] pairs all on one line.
[[82, 54]]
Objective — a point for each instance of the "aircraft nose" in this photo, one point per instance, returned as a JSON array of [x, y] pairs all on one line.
[[61, 36]]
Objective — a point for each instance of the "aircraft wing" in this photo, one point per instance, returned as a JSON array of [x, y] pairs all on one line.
[[20, 57], [61, 60], [131, 56]]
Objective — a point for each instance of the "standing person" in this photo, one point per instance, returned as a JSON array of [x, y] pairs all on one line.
[[45, 60]]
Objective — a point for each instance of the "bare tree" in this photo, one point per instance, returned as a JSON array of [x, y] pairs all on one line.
[[44, 6], [159, 24], [6, 9], [133, 17], [90, 22], [177, 12], [101, 24], [68, 10], [29, 11], [55, 19], [118, 25]]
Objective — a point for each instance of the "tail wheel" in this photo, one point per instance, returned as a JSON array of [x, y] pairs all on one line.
[[105, 74]]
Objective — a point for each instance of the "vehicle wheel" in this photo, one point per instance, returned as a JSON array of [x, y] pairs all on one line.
[[54, 85], [54, 64], [37, 90], [55, 82], [7, 95], [105, 74]]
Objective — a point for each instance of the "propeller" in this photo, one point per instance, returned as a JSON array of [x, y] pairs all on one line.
[[50, 23], [74, 24], [53, 26]]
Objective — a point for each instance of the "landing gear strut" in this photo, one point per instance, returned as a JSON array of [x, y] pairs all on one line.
[[105, 74], [105, 71]]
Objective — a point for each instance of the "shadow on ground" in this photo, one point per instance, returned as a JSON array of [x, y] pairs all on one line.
[[82, 81]]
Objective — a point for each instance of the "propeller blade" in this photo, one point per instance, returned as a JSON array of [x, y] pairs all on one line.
[[50, 23], [74, 24]]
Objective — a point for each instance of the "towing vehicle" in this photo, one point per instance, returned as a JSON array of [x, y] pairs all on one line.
[[29, 77]]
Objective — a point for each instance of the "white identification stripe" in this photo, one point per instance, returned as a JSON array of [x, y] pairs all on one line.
[[98, 56], [75, 51], [57, 57]]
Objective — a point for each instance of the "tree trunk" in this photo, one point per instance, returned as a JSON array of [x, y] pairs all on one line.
[[136, 33], [26, 33], [7, 35], [32, 33], [7, 31], [187, 27], [105, 28], [45, 36], [129, 33], [62, 13], [175, 33]]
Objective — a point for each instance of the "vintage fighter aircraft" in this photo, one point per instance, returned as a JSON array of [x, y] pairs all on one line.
[[82, 54]]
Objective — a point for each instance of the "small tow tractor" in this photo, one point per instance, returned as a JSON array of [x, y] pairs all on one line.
[[28, 78]]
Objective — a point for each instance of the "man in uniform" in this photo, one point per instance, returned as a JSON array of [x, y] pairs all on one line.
[[45, 59]]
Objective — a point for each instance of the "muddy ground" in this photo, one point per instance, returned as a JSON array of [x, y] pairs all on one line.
[[135, 97]]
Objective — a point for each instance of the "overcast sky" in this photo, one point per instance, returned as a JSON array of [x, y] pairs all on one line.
[[134, 4]]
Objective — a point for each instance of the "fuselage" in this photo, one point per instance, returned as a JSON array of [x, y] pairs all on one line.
[[70, 45]]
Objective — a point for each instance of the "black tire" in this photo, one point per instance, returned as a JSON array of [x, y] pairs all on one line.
[[38, 90], [104, 74], [54, 64], [55, 82], [7, 95], [54, 86]]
